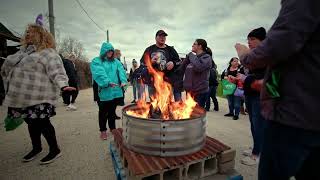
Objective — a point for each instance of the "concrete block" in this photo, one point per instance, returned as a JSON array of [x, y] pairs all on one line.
[[227, 166], [209, 167], [227, 156], [194, 170], [174, 174]]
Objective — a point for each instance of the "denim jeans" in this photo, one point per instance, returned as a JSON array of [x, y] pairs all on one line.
[[256, 120], [177, 95], [212, 94], [201, 99], [234, 103], [141, 90], [288, 151], [151, 90], [134, 89]]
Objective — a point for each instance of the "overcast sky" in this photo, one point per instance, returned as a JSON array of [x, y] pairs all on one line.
[[133, 24]]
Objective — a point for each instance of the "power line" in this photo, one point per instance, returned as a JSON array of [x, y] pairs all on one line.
[[90, 17], [15, 31], [12, 29]]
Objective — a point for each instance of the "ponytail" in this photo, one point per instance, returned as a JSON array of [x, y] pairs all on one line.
[[208, 51], [204, 46]]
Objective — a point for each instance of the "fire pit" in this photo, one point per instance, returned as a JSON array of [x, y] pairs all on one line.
[[163, 127], [164, 137]]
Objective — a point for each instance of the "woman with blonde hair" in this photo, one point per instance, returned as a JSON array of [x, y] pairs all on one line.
[[33, 78]]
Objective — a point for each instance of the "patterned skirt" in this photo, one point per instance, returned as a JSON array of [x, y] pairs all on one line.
[[39, 111]]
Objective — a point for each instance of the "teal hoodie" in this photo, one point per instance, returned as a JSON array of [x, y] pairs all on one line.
[[108, 71]]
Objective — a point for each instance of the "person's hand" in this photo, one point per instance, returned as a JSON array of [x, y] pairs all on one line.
[[241, 49], [190, 54], [169, 65], [231, 79], [241, 77], [123, 84], [68, 88], [113, 84]]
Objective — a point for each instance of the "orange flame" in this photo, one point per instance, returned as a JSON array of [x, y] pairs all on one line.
[[183, 110], [161, 99], [142, 110]]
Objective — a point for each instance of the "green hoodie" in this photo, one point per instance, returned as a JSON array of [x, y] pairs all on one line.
[[108, 71]]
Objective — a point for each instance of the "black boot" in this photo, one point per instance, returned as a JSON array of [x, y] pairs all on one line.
[[216, 108], [229, 115]]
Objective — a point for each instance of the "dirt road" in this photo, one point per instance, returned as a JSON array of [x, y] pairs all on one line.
[[85, 156]]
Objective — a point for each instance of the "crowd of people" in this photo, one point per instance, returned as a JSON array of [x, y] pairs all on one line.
[[275, 77], [190, 74]]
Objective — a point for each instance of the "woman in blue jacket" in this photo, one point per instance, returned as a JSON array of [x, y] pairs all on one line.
[[110, 77]]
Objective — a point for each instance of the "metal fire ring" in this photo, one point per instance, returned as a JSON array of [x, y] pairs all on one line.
[[164, 137]]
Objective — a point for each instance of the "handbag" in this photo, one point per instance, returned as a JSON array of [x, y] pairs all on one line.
[[239, 92], [11, 123], [228, 87]]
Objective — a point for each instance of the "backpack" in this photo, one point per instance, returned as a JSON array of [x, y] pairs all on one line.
[[213, 77]]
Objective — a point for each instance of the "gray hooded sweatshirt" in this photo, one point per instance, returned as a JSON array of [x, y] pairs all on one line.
[[197, 72]]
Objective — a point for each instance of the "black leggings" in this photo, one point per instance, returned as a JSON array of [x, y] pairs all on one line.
[[37, 127], [107, 112]]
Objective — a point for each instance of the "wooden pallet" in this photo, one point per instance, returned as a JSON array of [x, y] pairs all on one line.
[[214, 158]]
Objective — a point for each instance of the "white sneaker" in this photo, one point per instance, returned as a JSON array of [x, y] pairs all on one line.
[[247, 152], [71, 107], [250, 161]]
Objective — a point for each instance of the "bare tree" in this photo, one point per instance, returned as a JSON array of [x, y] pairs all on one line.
[[70, 45], [67, 45]]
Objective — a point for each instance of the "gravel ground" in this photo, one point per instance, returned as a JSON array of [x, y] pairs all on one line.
[[85, 156]]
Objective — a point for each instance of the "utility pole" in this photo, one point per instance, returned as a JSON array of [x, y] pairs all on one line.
[[51, 17], [107, 35], [125, 63]]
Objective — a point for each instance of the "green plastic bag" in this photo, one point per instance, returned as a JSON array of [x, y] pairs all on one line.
[[228, 87], [11, 123], [272, 84]]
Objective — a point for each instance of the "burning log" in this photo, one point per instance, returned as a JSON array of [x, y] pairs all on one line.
[[155, 113]]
